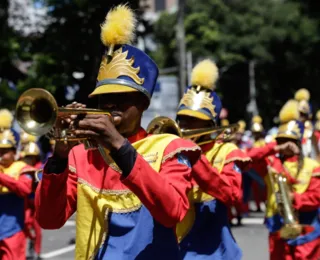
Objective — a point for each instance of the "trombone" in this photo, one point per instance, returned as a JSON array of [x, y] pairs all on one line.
[[163, 124], [37, 112]]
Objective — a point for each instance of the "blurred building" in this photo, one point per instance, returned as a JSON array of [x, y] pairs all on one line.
[[152, 8], [164, 101]]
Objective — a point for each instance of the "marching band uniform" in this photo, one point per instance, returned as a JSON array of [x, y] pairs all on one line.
[[15, 186], [33, 149], [306, 185], [257, 186], [128, 208], [32, 227], [303, 97], [204, 233], [317, 128]]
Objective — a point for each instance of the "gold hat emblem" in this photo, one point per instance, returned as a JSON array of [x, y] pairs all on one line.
[[118, 66], [197, 100]]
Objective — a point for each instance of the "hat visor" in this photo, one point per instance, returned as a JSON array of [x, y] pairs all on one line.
[[193, 113], [288, 136], [31, 154], [111, 88], [6, 146]]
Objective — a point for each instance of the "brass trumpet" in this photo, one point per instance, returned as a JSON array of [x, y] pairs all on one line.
[[162, 124], [37, 112], [281, 189]]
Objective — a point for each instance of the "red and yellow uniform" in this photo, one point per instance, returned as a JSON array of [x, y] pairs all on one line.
[[31, 155], [216, 185], [15, 186], [205, 232], [128, 206], [306, 202], [306, 198], [121, 217]]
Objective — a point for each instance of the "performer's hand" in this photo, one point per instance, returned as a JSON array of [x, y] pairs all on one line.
[[61, 148], [101, 128], [288, 149]]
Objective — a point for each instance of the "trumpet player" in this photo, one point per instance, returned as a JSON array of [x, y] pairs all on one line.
[[285, 157], [204, 233], [15, 186], [127, 208]]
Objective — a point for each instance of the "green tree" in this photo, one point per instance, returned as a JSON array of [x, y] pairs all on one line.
[[279, 35], [71, 43]]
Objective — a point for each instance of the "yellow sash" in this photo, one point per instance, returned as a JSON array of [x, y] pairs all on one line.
[[13, 171], [94, 203]]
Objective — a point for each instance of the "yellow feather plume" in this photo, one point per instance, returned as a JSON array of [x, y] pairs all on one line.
[[119, 26], [290, 111], [6, 119], [302, 94], [318, 115], [257, 119], [205, 74]]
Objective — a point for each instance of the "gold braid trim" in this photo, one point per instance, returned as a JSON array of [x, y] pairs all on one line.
[[241, 159], [72, 169], [179, 150], [28, 170], [316, 174], [103, 191], [104, 236], [113, 193]]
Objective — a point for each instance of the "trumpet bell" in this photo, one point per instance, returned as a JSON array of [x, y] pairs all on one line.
[[36, 111], [163, 124], [166, 125]]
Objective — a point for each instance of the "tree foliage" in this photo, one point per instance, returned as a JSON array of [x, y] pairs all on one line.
[[282, 37]]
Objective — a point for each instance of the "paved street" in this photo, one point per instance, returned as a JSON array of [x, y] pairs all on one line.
[[252, 238]]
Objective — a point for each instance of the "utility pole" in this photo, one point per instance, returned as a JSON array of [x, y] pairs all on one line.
[[189, 66], [181, 48], [252, 107]]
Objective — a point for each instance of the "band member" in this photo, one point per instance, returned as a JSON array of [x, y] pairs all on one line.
[[204, 233], [15, 186], [317, 128], [28, 143], [257, 184], [6, 119], [127, 208], [309, 143], [285, 157], [31, 156], [237, 140]]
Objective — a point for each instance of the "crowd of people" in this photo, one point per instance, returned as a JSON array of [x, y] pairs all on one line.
[[146, 195]]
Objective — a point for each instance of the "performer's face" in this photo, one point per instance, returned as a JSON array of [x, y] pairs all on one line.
[[303, 117], [188, 122], [126, 110], [7, 156], [287, 152], [31, 160]]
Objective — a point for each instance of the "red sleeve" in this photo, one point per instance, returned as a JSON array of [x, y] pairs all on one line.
[[258, 154], [164, 193], [310, 199], [224, 186], [22, 187], [56, 198]]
